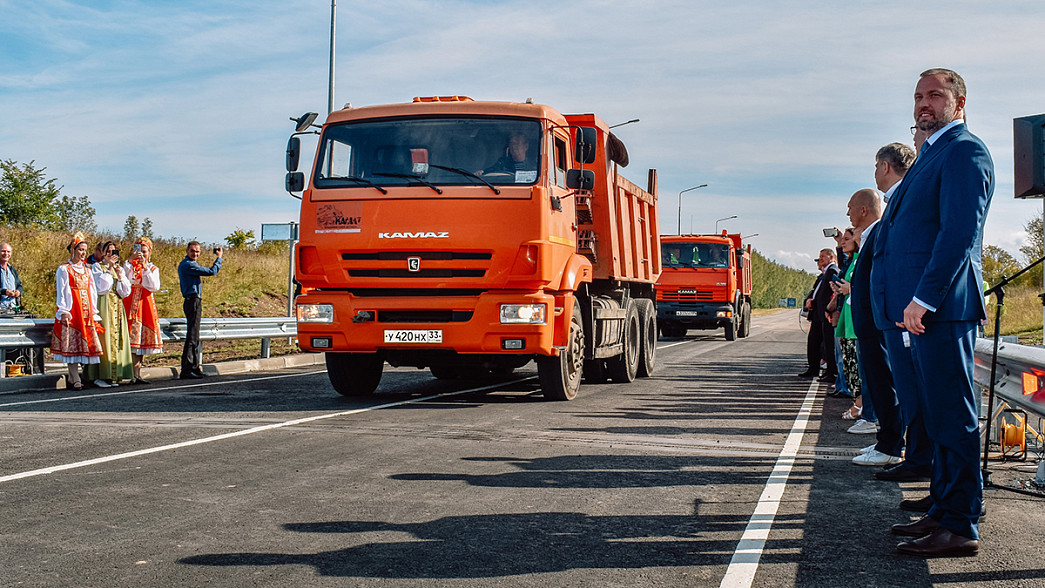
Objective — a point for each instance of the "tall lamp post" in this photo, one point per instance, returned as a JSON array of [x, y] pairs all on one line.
[[679, 230], [722, 219]]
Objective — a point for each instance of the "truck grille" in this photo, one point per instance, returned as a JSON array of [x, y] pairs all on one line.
[[686, 295], [416, 264], [424, 316]]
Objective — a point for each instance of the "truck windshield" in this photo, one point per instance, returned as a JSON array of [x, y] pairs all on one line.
[[429, 151], [695, 254]]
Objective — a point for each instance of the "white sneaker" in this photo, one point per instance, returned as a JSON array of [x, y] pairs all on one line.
[[868, 448], [863, 427], [875, 458], [102, 384]]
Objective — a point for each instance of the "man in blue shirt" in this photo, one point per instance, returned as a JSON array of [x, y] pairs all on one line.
[[189, 273], [10, 284]]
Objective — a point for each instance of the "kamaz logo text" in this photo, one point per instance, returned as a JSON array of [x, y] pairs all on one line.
[[418, 235]]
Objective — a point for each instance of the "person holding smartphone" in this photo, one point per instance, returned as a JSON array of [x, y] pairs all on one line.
[[189, 274]]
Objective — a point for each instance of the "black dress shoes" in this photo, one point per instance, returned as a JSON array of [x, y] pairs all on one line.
[[940, 543], [919, 528], [920, 505], [827, 378], [809, 374], [190, 375], [904, 473]]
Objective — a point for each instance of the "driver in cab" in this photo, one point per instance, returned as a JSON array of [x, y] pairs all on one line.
[[515, 161]]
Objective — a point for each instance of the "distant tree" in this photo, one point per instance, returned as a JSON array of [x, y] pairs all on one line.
[[771, 281], [131, 230], [1033, 248], [26, 198], [998, 262], [240, 238], [76, 214], [147, 228]]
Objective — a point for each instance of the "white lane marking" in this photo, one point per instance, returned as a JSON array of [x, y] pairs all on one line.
[[744, 564], [90, 462], [137, 390]]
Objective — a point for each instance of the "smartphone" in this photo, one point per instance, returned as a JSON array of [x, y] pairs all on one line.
[[137, 247], [832, 232], [836, 278]]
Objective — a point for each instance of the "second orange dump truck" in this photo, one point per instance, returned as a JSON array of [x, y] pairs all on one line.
[[706, 284], [466, 237]]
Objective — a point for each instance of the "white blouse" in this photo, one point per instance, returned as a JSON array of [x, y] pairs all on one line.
[[104, 283], [150, 276], [65, 293]]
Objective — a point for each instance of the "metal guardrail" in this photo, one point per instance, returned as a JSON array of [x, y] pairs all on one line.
[[25, 332], [1020, 376]]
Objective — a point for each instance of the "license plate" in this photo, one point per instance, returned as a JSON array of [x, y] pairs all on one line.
[[413, 336], [686, 313]]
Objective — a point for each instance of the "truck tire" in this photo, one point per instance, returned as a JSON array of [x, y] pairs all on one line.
[[354, 374], [648, 319], [444, 372], [745, 322], [625, 366], [560, 375], [733, 327]]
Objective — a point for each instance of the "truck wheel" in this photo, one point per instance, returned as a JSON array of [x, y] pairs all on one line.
[[625, 366], [354, 374], [745, 322], [444, 372], [648, 319], [733, 328], [560, 375]]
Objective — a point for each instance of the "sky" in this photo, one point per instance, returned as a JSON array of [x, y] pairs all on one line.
[[179, 111]]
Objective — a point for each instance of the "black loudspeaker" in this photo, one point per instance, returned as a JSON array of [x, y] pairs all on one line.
[[1028, 150]]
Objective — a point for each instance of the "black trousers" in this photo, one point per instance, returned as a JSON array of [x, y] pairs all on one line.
[[190, 355], [820, 344]]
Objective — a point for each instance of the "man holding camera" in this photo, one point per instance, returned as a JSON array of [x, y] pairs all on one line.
[[189, 274]]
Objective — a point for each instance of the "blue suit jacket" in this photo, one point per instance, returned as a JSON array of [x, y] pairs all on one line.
[[860, 288], [929, 239]]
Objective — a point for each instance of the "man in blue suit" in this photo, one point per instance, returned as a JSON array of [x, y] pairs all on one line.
[[926, 283]]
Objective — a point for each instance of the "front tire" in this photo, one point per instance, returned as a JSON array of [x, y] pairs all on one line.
[[560, 375], [354, 374]]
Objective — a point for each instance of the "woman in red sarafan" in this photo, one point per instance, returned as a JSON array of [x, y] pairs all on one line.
[[76, 324], [142, 318]]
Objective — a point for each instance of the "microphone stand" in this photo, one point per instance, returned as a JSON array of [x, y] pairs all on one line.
[[999, 292]]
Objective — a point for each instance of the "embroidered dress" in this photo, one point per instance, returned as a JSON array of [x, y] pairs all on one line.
[[142, 318], [115, 365], [76, 297]]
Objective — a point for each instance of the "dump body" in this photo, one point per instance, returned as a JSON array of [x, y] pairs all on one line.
[[706, 284], [426, 241]]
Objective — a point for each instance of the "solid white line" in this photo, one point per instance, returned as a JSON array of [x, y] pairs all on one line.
[[90, 462], [137, 390], [742, 568]]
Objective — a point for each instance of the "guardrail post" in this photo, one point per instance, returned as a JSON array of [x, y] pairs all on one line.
[[266, 348]]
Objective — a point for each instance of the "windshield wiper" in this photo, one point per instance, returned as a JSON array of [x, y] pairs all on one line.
[[360, 180], [467, 174], [414, 177]]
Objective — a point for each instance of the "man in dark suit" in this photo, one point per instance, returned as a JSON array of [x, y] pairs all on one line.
[[926, 285], [820, 343]]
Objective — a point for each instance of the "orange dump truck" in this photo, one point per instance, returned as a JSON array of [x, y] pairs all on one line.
[[468, 237], [706, 284]]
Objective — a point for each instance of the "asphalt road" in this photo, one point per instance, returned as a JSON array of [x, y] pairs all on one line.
[[274, 480]]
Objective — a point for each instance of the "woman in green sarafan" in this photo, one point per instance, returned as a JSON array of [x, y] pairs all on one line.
[[112, 285]]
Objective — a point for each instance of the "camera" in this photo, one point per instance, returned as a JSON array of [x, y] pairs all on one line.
[[215, 250]]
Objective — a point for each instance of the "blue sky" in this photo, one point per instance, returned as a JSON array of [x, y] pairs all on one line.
[[178, 111]]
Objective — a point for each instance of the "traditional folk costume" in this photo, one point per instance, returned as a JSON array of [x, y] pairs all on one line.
[[142, 318], [76, 298], [115, 365]]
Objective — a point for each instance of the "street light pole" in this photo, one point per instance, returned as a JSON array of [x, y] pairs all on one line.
[[722, 219], [679, 230], [330, 88]]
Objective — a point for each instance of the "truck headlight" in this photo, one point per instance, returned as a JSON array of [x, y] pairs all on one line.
[[315, 313], [529, 314]]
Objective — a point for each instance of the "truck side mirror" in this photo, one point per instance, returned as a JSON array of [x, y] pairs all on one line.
[[580, 179], [295, 182], [584, 145], [293, 154]]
